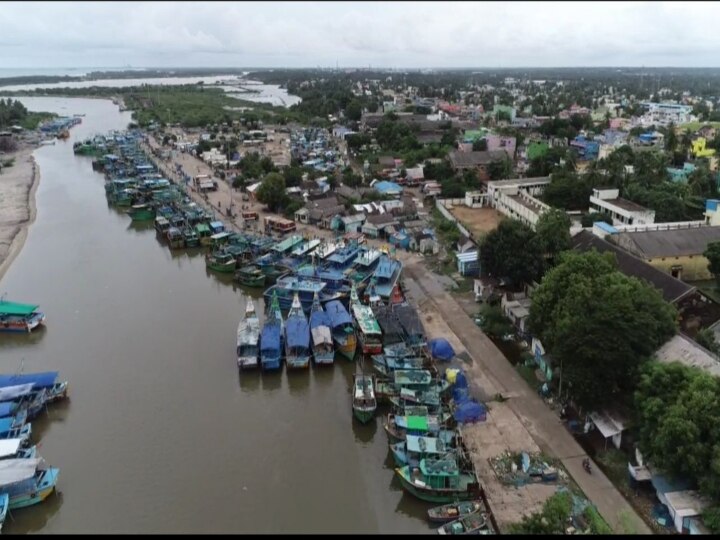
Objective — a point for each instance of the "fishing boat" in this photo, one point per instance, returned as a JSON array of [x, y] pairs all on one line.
[[392, 331], [14, 449], [175, 238], [12, 428], [220, 261], [453, 511], [203, 233], [288, 243], [4, 506], [439, 480], [286, 287], [162, 225], [475, 523], [17, 317], [399, 426], [25, 482], [325, 250], [411, 324], [248, 336], [297, 336], [305, 247], [386, 276], [271, 338], [343, 258], [415, 447], [364, 403], [408, 396], [321, 334], [368, 331], [141, 212], [386, 365], [250, 276], [190, 237], [343, 330]]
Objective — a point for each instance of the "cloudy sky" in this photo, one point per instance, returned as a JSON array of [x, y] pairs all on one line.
[[381, 34]]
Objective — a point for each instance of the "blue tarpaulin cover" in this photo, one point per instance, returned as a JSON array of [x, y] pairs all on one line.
[[470, 411], [7, 408], [270, 337], [41, 380], [461, 381], [441, 349], [297, 332], [338, 314]]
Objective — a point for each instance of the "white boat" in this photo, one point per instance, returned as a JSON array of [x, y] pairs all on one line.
[[248, 337], [26, 481]]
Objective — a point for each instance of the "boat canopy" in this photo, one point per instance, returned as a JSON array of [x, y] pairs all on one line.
[[425, 445], [321, 335], [337, 313], [16, 308], [9, 393], [9, 447], [386, 268], [7, 408], [417, 422], [297, 332], [6, 424], [219, 236], [202, 228], [366, 319], [270, 337], [42, 380], [17, 470], [217, 226]]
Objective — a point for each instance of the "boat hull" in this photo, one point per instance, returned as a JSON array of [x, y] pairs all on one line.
[[23, 325], [142, 215], [44, 489], [297, 362], [251, 281], [431, 495], [324, 359], [222, 268], [247, 362], [270, 363], [346, 346], [363, 415]]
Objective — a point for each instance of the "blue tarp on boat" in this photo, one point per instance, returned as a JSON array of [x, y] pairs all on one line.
[[41, 380], [7, 408], [320, 318], [337, 313], [461, 381], [297, 331], [6, 424], [441, 349], [270, 338]]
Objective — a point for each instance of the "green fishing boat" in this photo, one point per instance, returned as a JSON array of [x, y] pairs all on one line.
[[439, 481], [204, 234], [364, 403], [141, 212], [250, 276], [175, 238], [220, 261], [191, 238]]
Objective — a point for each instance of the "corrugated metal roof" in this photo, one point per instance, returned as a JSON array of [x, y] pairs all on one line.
[[470, 256]]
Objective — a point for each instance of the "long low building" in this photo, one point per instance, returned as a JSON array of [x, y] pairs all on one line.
[[622, 211]]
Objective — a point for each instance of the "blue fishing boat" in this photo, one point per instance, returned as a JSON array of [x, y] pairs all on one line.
[[343, 330], [11, 429], [321, 333], [306, 288], [343, 258], [414, 448], [335, 281], [368, 330], [25, 481], [15, 449], [270, 344], [385, 277], [45, 379], [17, 317], [297, 336], [288, 244], [4, 507], [248, 337]]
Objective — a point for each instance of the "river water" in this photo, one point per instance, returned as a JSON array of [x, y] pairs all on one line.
[[161, 434]]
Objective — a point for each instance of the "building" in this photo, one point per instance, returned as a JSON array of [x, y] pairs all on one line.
[[476, 161], [468, 263], [376, 224], [499, 142], [678, 252], [585, 148], [681, 175], [622, 211], [699, 148], [516, 307], [387, 188], [516, 198]]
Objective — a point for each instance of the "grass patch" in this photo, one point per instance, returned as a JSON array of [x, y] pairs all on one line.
[[694, 126]]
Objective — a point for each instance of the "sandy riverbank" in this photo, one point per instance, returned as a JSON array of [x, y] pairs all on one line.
[[18, 185]]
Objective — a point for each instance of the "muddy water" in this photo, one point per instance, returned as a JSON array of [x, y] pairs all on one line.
[[161, 434]]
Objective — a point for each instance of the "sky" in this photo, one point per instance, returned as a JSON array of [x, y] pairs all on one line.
[[358, 34]]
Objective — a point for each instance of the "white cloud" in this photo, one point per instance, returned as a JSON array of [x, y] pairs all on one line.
[[391, 34]]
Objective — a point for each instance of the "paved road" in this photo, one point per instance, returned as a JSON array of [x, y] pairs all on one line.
[[545, 427]]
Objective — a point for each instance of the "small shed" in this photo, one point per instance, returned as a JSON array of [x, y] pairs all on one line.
[[609, 426], [468, 263]]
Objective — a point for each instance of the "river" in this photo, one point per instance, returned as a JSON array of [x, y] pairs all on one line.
[[161, 434]]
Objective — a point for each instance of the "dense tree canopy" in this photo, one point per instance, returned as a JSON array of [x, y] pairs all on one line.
[[272, 192], [600, 323], [553, 232], [712, 254], [512, 251]]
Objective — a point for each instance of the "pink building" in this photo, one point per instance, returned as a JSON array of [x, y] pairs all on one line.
[[498, 142]]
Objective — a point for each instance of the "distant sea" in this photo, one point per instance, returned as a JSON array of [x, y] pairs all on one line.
[[58, 72]]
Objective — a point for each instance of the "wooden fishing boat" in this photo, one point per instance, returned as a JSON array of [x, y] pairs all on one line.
[[414, 448], [25, 482], [364, 403], [297, 337], [17, 317], [343, 330], [321, 334], [220, 261], [191, 239], [248, 338], [368, 330], [141, 212], [453, 511], [250, 276], [440, 481], [398, 426], [175, 238], [162, 225], [475, 523]]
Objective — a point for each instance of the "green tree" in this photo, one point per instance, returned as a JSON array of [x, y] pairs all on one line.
[[601, 325], [480, 145], [272, 192], [568, 191], [553, 519], [706, 338], [712, 254], [553, 232], [293, 176], [671, 139], [512, 251], [354, 110], [499, 169]]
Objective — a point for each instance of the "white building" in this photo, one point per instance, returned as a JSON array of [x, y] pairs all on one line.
[[516, 198], [622, 211]]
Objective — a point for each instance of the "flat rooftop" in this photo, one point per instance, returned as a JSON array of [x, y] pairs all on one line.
[[527, 203], [626, 205]]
